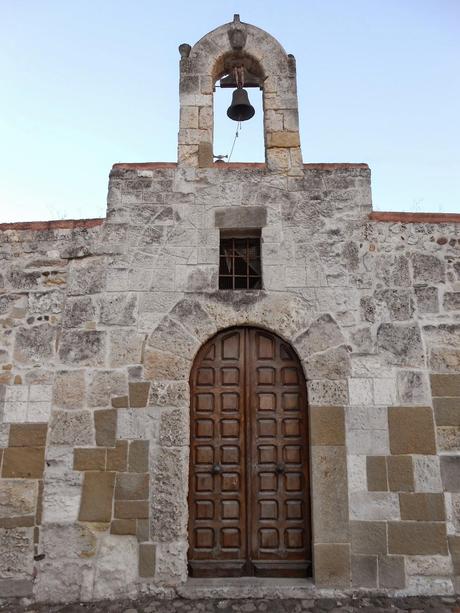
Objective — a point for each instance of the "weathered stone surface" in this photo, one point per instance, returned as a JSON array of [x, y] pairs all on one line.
[[104, 384], [332, 567], [427, 474], [82, 347], [116, 571], [444, 359], [79, 311], [125, 347], [62, 487], [16, 545], [417, 538], [69, 389], [428, 269], [105, 422], [400, 473], [374, 506], [34, 345], [327, 425], [174, 428], [146, 559], [118, 310], [71, 428], [323, 334], [17, 497], [401, 344], [368, 537], [412, 387], [88, 277], [23, 462], [448, 438], [450, 472], [162, 365], [411, 430], [422, 507], [391, 572], [364, 571], [451, 301], [330, 364], [426, 299], [97, 495], [330, 503]]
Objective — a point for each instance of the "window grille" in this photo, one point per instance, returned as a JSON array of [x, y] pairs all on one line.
[[239, 262]]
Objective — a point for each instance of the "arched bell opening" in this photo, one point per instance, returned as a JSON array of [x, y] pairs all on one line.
[[249, 493], [238, 109]]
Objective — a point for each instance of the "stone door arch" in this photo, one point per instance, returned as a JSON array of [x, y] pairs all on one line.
[[249, 510]]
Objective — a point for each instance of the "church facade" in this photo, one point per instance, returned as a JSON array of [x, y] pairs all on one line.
[[241, 371]]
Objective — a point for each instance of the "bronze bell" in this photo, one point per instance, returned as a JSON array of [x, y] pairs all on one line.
[[240, 109]]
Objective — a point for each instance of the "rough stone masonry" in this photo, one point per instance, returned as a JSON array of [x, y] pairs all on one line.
[[101, 320]]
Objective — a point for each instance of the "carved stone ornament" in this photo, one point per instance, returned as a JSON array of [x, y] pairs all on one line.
[[237, 37]]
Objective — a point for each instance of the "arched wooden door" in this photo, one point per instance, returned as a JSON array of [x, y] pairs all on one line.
[[249, 479]]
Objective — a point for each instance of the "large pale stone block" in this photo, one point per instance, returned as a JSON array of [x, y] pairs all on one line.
[[330, 501], [103, 384], [17, 497], [374, 506], [69, 389], [17, 547], [82, 347], [71, 428], [116, 567]]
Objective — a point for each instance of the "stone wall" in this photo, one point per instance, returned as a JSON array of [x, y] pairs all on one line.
[[101, 321]]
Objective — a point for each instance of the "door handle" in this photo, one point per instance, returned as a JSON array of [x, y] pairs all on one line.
[[280, 468], [216, 469]]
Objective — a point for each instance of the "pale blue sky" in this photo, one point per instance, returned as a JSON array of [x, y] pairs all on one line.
[[86, 83]]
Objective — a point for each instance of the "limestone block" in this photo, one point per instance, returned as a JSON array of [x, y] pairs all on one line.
[[330, 503], [400, 473], [412, 387], [46, 302], [138, 457], [401, 344], [384, 391], [411, 430], [377, 479], [450, 472], [66, 569], [447, 411], [104, 384], [169, 493], [364, 571], [369, 537], [69, 389], [332, 565], [138, 394], [116, 567], [146, 559], [131, 509], [118, 309], [16, 588], [283, 139], [323, 334], [392, 572], [117, 458], [171, 336], [89, 459], [427, 269], [427, 474], [330, 364], [105, 422], [397, 302], [86, 277], [430, 586], [451, 301], [135, 424], [34, 345], [23, 462], [189, 117], [327, 426], [448, 438], [71, 428], [27, 435], [82, 347], [368, 442], [445, 385], [125, 347], [426, 299], [444, 359], [132, 486], [174, 393], [174, 427], [357, 478], [97, 496], [17, 497], [17, 547], [328, 392], [373, 506], [417, 538], [429, 566], [78, 311], [360, 391], [422, 507], [171, 562], [61, 497]]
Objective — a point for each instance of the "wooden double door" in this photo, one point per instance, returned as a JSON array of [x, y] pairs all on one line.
[[249, 480]]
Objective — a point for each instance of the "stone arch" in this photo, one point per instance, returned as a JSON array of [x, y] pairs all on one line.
[[168, 358], [200, 67]]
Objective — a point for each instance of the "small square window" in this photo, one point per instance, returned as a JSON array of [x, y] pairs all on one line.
[[239, 260]]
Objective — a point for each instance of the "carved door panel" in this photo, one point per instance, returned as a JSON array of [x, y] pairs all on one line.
[[248, 491]]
